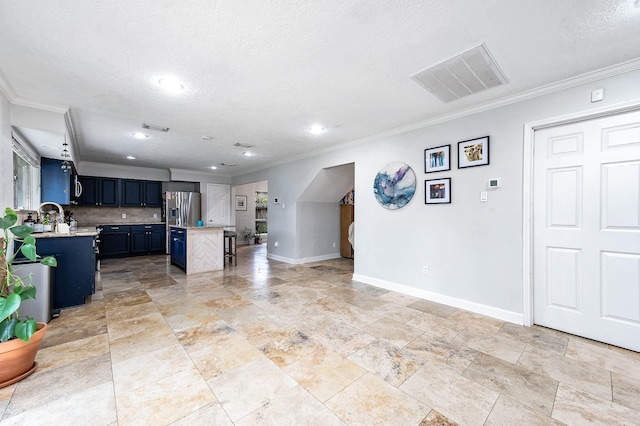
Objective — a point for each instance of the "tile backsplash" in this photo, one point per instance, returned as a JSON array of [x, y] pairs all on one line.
[[89, 216]]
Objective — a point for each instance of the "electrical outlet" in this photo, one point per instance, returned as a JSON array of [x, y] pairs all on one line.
[[155, 215], [425, 270], [124, 215], [334, 245], [275, 244]]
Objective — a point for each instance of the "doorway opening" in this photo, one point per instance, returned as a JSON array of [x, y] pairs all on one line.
[[251, 208]]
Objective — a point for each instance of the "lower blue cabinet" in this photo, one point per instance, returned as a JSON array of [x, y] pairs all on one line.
[[179, 247], [75, 273]]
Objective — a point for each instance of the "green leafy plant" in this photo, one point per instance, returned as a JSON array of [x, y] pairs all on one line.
[[13, 289], [248, 234]]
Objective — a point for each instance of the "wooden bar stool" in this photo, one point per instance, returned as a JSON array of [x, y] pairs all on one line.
[[230, 246]]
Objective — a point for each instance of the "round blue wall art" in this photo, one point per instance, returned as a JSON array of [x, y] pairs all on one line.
[[394, 185]]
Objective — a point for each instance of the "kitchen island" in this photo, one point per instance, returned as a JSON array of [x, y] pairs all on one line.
[[197, 249], [75, 276]]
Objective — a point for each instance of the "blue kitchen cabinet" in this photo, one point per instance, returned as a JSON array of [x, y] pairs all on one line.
[[99, 191], [152, 193], [178, 242], [147, 239], [54, 182], [75, 276], [115, 241], [141, 193]]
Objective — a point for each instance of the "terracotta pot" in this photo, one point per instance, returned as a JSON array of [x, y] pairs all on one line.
[[17, 358]]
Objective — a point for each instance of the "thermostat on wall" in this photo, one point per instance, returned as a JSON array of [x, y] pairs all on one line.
[[493, 183]]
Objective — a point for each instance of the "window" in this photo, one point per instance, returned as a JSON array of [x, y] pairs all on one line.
[[26, 178]]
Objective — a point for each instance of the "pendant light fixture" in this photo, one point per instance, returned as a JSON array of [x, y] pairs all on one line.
[[66, 165]]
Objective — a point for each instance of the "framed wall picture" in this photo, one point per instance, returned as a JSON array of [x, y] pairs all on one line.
[[474, 152], [241, 202], [437, 191], [437, 159]]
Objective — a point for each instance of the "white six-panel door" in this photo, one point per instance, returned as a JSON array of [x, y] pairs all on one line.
[[586, 229], [218, 204]]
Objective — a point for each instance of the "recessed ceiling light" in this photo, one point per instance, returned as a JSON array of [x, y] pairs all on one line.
[[139, 135], [130, 157], [317, 129], [171, 84], [213, 167], [248, 154]]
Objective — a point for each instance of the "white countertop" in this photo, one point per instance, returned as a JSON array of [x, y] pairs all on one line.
[[80, 232]]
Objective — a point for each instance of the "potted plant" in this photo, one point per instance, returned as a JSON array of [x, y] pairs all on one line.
[[19, 339], [46, 223], [248, 235]]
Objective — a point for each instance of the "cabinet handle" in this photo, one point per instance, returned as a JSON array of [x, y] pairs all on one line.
[[175, 239], [114, 228]]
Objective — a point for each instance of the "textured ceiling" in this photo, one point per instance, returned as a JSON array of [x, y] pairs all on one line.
[[262, 72]]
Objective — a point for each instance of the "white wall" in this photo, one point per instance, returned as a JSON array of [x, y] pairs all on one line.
[[474, 250], [288, 182], [318, 230], [6, 155]]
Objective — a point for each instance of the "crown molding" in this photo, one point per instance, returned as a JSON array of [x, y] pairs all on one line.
[[6, 88], [8, 91], [73, 140], [37, 105], [582, 79]]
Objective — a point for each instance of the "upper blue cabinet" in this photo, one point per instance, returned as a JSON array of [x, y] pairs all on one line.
[[54, 182], [145, 193], [99, 191]]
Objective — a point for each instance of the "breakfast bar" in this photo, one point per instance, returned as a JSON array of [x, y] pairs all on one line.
[[75, 253], [197, 249]]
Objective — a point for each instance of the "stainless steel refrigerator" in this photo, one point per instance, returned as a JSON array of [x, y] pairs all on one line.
[[181, 209]]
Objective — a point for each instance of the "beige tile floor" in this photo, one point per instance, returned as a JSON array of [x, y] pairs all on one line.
[[270, 343]]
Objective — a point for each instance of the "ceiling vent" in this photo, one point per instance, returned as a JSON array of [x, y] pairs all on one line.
[[155, 127], [227, 164], [470, 72], [243, 145]]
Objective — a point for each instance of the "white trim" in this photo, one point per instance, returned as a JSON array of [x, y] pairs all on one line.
[[6, 89], [281, 258], [527, 186], [590, 77], [319, 258], [24, 149], [303, 259], [502, 314], [37, 105], [72, 140]]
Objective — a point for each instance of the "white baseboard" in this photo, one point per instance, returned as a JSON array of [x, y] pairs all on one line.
[[304, 259], [490, 311], [319, 258], [281, 258]]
